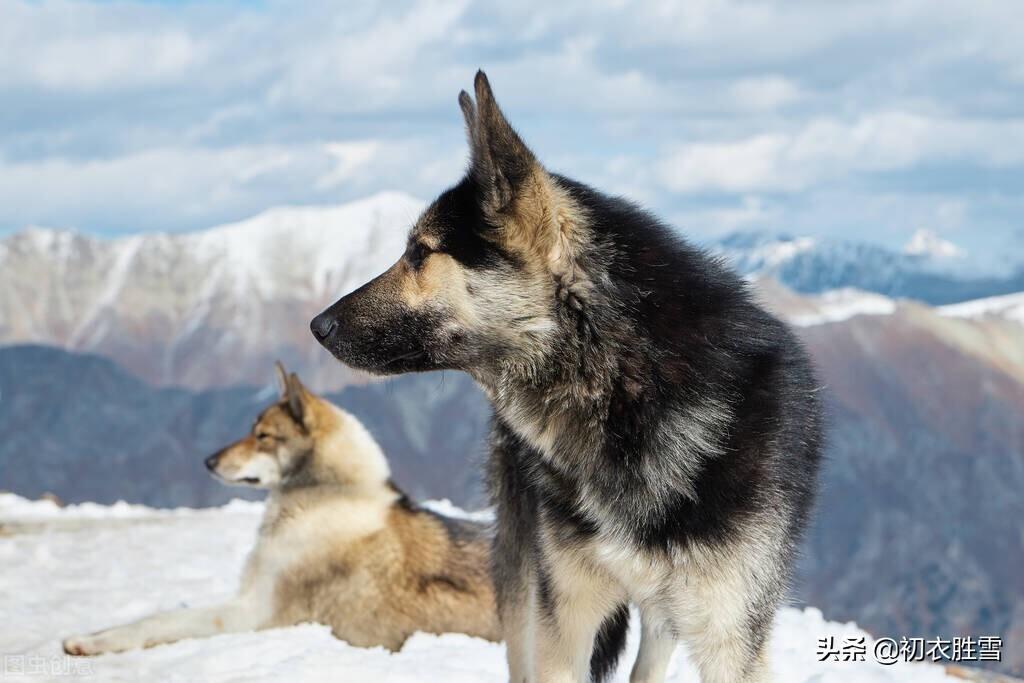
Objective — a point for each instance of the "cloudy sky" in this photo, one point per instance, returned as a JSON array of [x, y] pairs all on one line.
[[867, 120]]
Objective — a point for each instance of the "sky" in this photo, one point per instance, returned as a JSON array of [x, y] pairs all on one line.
[[853, 120]]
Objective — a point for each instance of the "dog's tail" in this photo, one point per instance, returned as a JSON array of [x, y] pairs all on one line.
[[609, 644]]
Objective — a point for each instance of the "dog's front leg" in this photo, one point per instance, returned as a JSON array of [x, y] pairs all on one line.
[[518, 629], [513, 557], [168, 627], [657, 644], [573, 599]]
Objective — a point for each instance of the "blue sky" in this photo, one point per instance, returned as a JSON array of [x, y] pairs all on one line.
[[865, 120]]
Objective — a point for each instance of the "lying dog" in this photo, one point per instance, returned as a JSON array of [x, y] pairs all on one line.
[[338, 545]]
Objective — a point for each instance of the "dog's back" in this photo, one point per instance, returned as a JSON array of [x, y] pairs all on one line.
[[420, 571]]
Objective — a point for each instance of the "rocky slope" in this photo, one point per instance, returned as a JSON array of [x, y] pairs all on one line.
[[203, 309], [213, 308], [917, 531]]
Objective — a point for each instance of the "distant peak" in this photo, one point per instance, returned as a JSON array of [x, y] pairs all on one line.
[[925, 242]]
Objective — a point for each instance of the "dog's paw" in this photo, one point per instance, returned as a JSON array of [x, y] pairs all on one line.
[[94, 644], [82, 646]]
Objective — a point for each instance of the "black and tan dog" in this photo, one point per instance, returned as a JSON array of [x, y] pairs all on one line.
[[656, 435], [338, 545]]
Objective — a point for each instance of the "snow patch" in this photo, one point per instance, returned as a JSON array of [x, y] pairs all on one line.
[[15, 508], [926, 243], [1009, 306], [842, 304], [448, 509], [122, 562]]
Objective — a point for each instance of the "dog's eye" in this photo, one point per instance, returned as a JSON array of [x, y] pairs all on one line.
[[416, 254]]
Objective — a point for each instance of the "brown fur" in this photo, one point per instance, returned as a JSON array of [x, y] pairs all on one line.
[[338, 545], [417, 572], [410, 576]]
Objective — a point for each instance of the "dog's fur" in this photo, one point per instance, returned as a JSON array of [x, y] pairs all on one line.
[[338, 545], [656, 435]]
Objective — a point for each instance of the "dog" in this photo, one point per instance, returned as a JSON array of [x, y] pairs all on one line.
[[339, 544], [656, 435]]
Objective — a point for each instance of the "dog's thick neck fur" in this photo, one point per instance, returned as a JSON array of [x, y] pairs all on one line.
[[599, 380], [598, 360], [344, 457]]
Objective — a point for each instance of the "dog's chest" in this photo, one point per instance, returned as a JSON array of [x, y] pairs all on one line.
[[552, 424]]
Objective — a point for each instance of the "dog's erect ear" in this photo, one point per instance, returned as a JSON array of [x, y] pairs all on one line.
[[297, 397], [499, 160], [282, 379]]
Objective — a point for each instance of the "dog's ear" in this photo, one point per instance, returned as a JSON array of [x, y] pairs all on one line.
[[297, 398], [499, 160], [282, 379]]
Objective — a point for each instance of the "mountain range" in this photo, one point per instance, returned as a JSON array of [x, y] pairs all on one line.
[[124, 362], [203, 309], [212, 308], [928, 269]]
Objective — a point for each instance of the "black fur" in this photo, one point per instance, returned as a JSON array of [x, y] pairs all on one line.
[[676, 414], [510, 480], [609, 644]]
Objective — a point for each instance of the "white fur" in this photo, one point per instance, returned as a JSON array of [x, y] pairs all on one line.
[[351, 449], [284, 541], [262, 467]]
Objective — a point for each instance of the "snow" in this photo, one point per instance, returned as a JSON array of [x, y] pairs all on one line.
[[447, 508], [926, 243], [16, 509], [337, 246], [823, 262], [365, 235], [85, 567], [842, 304], [1009, 306]]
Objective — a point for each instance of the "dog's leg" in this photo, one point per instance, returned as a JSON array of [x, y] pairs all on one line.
[[657, 644], [512, 559], [574, 597], [726, 624], [518, 629], [168, 627], [729, 659]]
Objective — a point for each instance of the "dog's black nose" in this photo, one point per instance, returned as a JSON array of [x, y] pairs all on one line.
[[211, 462], [323, 326]]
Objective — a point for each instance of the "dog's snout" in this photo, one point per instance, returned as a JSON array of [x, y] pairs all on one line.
[[211, 462], [323, 326]]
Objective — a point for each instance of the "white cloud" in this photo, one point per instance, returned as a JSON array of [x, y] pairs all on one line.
[[78, 47], [135, 114], [171, 188], [764, 93], [825, 149], [349, 157], [749, 213]]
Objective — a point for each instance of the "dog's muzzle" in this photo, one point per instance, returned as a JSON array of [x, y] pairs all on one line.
[[323, 327], [211, 462]]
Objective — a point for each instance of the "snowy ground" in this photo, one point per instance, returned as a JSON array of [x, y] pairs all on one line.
[[82, 568]]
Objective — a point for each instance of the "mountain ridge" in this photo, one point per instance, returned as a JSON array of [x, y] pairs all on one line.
[[196, 309]]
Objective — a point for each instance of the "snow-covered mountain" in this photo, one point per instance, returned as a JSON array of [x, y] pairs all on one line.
[[1008, 307], [209, 308], [926, 243], [216, 307], [928, 269], [114, 564]]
